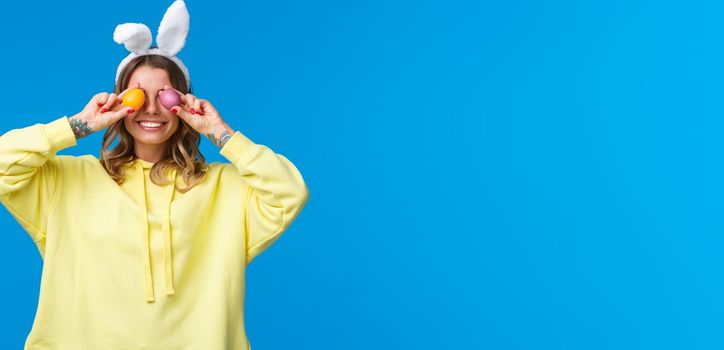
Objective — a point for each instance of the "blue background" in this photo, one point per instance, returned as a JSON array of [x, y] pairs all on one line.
[[483, 174]]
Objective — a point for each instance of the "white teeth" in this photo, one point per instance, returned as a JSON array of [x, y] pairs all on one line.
[[150, 125]]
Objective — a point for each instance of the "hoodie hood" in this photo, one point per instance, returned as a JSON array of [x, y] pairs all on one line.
[[141, 166]]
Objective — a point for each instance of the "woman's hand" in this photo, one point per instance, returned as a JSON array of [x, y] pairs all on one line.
[[103, 110], [201, 115]]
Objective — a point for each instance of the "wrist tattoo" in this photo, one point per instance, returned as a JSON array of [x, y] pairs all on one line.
[[80, 128], [221, 140]]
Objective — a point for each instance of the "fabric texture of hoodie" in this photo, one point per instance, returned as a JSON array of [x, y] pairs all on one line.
[[138, 265]]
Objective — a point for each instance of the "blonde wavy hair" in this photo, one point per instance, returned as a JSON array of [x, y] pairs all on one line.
[[183, 153]]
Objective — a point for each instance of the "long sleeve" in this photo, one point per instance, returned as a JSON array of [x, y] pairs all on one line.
[[29, 171], [276, 192]]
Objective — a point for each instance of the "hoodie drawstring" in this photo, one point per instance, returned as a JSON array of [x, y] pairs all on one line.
[[166, 228]]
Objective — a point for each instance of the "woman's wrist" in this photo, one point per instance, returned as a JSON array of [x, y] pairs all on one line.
[[79, 126], [220, 134]]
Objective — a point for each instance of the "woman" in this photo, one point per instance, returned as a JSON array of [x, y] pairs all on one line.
[[146, 247]]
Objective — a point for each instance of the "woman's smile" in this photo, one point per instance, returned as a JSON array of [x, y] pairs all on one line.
[[151, 125]]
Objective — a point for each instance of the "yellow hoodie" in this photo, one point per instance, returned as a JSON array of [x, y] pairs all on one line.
[[137, 265]]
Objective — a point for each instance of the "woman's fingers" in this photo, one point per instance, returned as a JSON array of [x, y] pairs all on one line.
[[110, 100], [181, 113], [122, 113], [191, 102], [100, 99], [193, 105], [196, 121], [196, 109], [134, 86], [104, 120], [106, 101], [113, 99], [206, 107], [181, 94], [186, 99]]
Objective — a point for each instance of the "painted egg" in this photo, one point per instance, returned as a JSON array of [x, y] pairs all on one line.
[[134, 98], [169, 98]]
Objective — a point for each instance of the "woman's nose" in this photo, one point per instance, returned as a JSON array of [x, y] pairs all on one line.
[[152, 106]]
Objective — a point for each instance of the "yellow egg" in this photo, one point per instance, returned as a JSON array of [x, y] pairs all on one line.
[[134, 98]]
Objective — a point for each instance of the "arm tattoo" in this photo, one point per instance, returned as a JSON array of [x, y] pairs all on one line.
[[80, 128], [221, 140]]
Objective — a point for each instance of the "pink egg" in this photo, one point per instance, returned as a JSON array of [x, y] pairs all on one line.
[[169, 98]]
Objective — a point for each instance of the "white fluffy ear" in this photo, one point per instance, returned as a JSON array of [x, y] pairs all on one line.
[[174, 28], [135, 36]]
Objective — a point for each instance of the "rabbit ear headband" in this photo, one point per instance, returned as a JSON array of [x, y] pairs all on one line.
[[170, 39]]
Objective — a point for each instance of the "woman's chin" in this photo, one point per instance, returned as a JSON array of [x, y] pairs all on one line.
[[152, 136], [153, 139]]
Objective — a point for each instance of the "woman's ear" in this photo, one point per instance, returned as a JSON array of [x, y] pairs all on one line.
[[174, 28]]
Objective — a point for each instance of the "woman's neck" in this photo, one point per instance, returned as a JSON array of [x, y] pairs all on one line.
[[150, 153]]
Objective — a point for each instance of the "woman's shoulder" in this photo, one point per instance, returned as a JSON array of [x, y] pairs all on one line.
[[78, 164], [71, 160], [92, 159], [220, 169], [224, 172], [218, 166], [84, 159], [75, 163], [225, 168]]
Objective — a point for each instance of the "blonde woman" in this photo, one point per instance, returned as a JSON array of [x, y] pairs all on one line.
[[146, 246]]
